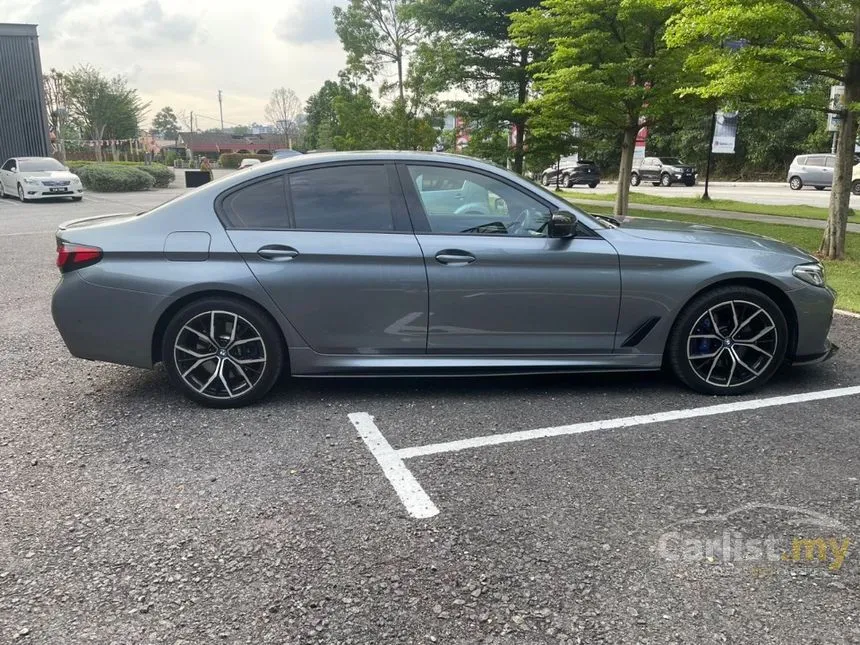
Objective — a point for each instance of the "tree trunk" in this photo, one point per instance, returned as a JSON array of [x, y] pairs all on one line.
[[628, 144], [833, 243], [522, 97], [399, 55]]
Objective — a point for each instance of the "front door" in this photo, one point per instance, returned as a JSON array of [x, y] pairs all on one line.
[[334, 248], [498, 283], [6, 177]]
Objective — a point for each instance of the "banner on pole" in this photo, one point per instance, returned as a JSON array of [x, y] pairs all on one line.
[[725, 133], [641, 141]]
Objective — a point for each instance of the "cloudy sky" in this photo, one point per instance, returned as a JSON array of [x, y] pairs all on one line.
[[181, 53]]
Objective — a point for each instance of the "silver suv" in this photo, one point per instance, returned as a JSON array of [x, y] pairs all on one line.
[[811, 170]]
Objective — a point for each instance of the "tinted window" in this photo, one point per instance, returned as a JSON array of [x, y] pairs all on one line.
[[478, 204], [815, 161], [342, 198], [259, 205], [9, 165]]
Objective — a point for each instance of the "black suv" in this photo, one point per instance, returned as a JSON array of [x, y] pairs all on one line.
[[571, 171], [663, 171]]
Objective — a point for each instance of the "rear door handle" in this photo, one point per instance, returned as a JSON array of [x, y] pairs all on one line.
[[277, 253], [454, 257]]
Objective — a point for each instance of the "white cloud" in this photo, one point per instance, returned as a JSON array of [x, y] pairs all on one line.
[[181, 54]]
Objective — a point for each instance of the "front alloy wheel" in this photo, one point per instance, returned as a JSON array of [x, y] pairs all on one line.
[[796, 183], [21, 194], [222, 353], [665, 180], [729, 341]]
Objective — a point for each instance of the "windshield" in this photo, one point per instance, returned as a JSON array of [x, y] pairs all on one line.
[[671, 161], [39, 165]]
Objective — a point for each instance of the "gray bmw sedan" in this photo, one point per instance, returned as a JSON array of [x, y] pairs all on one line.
[[396, 263]]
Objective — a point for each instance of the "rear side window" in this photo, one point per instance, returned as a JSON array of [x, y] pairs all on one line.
[[800, 161], [262, 204], [342, 198]]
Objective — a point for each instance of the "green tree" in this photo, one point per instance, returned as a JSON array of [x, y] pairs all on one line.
[[608, 67], [166, 122], [323, 124], [375, 34], [465, 45], [781, 46], [357, 118], [103, 107]]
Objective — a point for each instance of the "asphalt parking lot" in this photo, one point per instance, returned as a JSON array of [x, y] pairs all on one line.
[[416, 510]]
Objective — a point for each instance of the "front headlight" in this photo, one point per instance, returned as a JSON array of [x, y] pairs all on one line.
[[31, 180], [812, 273]]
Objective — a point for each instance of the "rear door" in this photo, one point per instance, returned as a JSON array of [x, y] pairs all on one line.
[[498, 284], [334, 248], [647, 171]]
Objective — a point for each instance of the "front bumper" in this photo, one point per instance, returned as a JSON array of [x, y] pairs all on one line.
[[832, 349], [44, 192]]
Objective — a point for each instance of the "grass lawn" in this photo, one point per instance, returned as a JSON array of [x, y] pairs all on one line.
[[807, 212], [844, 276]]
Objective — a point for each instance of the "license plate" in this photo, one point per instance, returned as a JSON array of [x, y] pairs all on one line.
[[57, 190]]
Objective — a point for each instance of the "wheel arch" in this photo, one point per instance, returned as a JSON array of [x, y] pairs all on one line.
[[769, 289], [167, 315]]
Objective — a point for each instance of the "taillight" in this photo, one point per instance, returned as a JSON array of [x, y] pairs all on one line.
[[75, 256]]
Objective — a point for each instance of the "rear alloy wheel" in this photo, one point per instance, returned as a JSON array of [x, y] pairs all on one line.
[[795, 183], [564, 181], [545, 180], [728, 341], [222, 353], [665, 180], [634, 179], [855, 187]]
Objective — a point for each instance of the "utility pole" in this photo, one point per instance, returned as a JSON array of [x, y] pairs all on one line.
[[221, 109], [192, 121], [706, 197]]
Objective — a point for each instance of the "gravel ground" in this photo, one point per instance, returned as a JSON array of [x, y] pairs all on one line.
[[132, 516]]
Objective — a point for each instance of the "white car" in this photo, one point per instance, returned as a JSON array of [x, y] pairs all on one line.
[[38, 178], [248, 163]]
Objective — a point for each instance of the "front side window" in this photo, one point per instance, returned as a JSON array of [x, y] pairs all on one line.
[[477, 204], [342, 198], [260, 205], [9, 165], [816, 161], [830, 161]]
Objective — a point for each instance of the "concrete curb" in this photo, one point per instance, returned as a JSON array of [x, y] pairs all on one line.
[[842, 312]]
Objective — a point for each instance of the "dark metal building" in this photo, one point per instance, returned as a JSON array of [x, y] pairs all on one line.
[[23, 118]]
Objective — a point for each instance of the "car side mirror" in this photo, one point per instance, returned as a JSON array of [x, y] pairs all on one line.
[[562, 225]]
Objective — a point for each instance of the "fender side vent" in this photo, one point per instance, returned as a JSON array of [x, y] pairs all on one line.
[[641, 332]]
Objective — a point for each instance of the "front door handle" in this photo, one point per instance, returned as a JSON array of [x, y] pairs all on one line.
[[277, 253], [454, 257]]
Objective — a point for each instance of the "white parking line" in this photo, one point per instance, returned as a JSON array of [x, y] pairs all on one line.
[[416, 501], [419, 505], [27, 233], [623, 422]]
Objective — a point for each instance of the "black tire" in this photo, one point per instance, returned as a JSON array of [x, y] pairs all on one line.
[[819, 188], [634, 179], [77, 199], [746, 299], [665, 180], [855, 187], [545, 180], [795, 183], [565, 181], [21, 194], [273, 353], [689, 183], [593, 184]]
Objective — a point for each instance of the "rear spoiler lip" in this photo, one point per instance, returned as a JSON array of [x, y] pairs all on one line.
[[75, 223]]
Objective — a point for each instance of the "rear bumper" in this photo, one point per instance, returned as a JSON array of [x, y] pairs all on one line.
[[105, 324]]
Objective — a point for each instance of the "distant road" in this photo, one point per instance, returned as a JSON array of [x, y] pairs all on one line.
[[752, 192]]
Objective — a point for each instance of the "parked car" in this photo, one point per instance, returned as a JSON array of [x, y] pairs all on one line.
[[663, 171], [284, 154], [248, 163], [855, 179], [38, 178], [422, 263], [811, 170], [572, 171]]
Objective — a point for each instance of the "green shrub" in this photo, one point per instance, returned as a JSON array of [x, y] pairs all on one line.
[[113, 178], [233, 159], [162, 174]]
